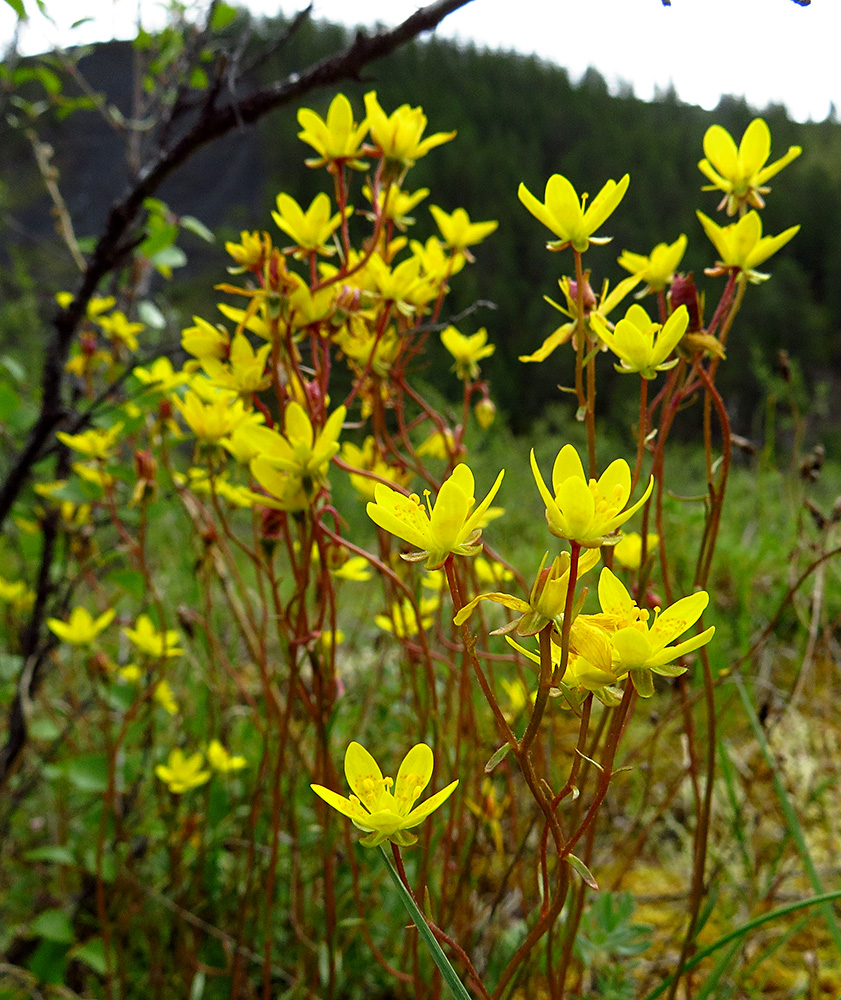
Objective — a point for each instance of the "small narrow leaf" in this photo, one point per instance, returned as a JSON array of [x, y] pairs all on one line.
[[498, 757], [581, 869]]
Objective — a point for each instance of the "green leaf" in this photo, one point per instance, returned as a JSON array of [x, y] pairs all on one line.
[[149, 314], [109, 866], [498, 757], [92, 953], [161, 237], [48, 962], [53, 853], [54, 925], [198, 78], [193, 225], [10, 666], [13, 367], [581, 869], [223, 15], [131, 581], [43, 729], [88, 773]]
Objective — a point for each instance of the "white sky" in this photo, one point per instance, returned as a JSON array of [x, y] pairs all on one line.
[[764, 50]]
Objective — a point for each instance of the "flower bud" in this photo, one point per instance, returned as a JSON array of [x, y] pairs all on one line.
[[485, 413], [684, 293], [588, 300]]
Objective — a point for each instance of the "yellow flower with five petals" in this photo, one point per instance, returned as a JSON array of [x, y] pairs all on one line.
[[467, 351], [398, 136], [640, 649], [563, 211], [458, 232], [658, 268], [582, 510], [311, 229], [181, 773], [154, 642], [741, 245], [222, 760], [337, 138], [741, 172], [82, 628], [643, 346], [374, 808], [451, 525]]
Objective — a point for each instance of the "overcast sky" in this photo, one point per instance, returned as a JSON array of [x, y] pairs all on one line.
[[764, 50]]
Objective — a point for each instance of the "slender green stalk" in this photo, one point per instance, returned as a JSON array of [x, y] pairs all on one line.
[[456, 986]]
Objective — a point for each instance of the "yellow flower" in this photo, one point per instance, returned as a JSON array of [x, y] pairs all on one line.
[[628, 550], [160, 376], [311, 229], [205, 340], [130, 673], [82, 628], [95, 443], [251, 253], [398, 205], [305, 307], [17, 594], [436, 265], [369, 459], [586, 511], [491, 811], [96, 476], [643, 346], [547, 598], [658, 269], [488, 572], [405, 620], [458, 231], [363, 349], [374, 808], [741, 245], [299, 451], [601, 308], [221, 760], [439, 444], [448, 527], [165, 697], [117, 327], [158, 643], [467, 351], [402, 284], [337, 138], [181, 773], [356, 568], [216, 418], [245, 370], [398, 135], [581, 676], [741, 173], [639, 649], [563, 211]]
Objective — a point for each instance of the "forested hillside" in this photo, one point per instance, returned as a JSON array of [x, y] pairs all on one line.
[[518, 119]]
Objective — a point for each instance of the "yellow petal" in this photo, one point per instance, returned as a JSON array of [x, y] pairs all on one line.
[[364, 775], [413, 776], [419, 814], [721, 150]]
